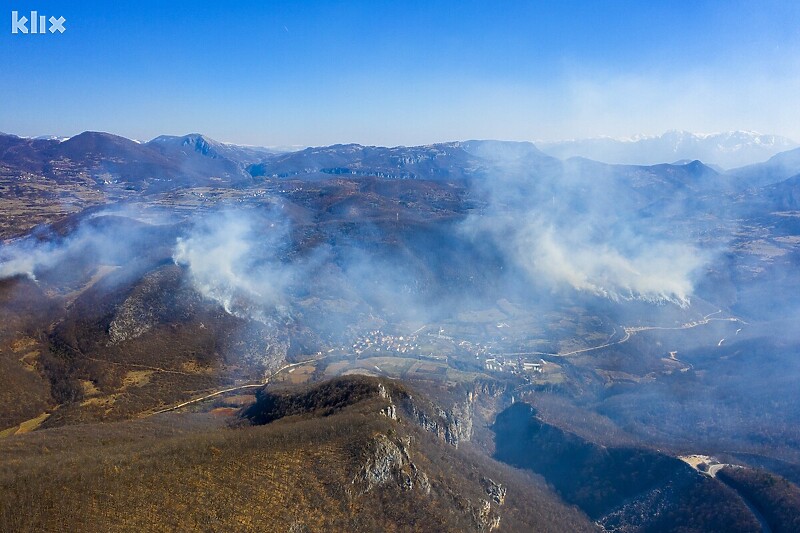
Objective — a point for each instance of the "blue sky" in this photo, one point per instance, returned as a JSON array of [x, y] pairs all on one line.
[[309, 73]]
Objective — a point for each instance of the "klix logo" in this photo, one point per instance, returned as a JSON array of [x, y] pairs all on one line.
[[38, 23]]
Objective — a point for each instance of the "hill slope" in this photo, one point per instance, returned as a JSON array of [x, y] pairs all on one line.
[[355, 469]]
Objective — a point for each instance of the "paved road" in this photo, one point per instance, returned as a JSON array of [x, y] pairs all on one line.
[[630, 331]]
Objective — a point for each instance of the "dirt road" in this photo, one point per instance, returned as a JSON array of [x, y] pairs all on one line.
[[232, 389]]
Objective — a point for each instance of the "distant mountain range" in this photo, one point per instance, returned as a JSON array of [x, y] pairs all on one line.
[[721, 151], [169, 162], [727, 150], [165, 162], [194, 160]]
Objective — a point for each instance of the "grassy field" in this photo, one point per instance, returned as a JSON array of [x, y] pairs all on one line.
[[401, 368]]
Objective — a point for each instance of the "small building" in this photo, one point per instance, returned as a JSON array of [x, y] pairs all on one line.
[[532, 367]]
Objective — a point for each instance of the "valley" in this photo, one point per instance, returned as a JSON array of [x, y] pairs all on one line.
[[335, 328]]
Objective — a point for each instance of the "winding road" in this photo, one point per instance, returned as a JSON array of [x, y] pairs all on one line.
[[629, 332], [233, 389]]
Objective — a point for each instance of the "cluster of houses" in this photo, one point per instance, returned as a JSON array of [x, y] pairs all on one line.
[[477, 349], [501, 364], [378, 341]]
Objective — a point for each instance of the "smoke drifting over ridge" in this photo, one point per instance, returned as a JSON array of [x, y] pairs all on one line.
[[111, 236], [25, 257], [562, 224], [581, 226], [250, 263], [659, 272], [233, 258]]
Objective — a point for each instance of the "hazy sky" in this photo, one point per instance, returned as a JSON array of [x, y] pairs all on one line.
[[375, 72]]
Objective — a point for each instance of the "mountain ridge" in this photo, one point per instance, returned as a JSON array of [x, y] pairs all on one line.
[[727, 149]]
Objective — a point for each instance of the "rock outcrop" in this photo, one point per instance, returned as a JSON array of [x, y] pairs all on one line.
[[388, 461], [485, 517], [452, 425], [496, 491]]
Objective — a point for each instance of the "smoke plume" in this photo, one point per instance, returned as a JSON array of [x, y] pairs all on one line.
[[233, 257]]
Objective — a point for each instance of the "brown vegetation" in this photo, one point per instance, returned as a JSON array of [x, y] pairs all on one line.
[[774, 497], [190, 472]]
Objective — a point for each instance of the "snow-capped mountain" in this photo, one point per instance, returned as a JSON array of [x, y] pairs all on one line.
[[51, 138], [727, 149]]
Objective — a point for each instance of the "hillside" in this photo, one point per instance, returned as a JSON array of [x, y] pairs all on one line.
[[619, 487], [354, 469]]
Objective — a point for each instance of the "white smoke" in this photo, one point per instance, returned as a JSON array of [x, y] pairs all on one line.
[[581, 226], [658, 272], [25, 257], [97, 238], [232, 258]]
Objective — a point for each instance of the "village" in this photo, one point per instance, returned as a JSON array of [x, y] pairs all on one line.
[[436, 345]]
